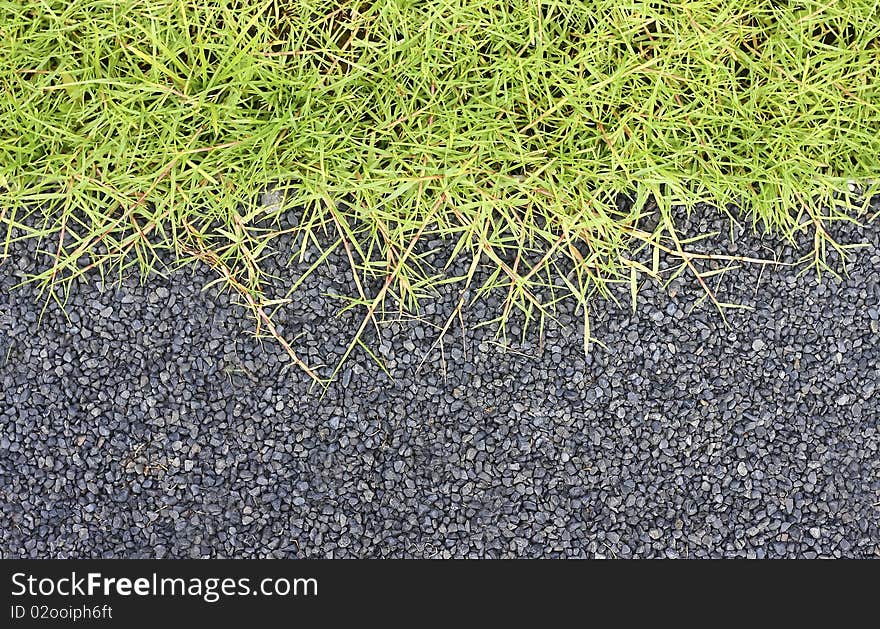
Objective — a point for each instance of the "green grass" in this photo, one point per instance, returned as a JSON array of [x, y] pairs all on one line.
[[508, 128]]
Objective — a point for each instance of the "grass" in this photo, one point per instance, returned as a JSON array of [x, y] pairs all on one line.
[[557, 143]]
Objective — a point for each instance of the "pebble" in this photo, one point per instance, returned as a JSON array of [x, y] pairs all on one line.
[[153, 424]]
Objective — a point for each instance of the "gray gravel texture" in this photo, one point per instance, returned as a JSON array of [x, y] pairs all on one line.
[[150, 423]]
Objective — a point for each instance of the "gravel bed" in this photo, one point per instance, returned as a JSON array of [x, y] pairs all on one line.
[[149, 422]]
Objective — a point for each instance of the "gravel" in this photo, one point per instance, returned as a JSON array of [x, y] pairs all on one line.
[[149, 422]]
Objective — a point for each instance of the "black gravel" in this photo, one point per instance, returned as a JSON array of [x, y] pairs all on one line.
[[149, 423]]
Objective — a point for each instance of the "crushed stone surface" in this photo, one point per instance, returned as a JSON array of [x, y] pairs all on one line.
[[149, 422]]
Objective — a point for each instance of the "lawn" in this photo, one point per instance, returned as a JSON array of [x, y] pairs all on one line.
[[559, 144]]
